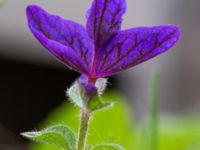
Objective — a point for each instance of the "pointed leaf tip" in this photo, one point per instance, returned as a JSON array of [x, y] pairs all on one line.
[[98, 104], [58, 135], [108, 147]]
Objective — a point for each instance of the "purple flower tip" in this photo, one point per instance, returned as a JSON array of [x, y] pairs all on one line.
[[101, 48]]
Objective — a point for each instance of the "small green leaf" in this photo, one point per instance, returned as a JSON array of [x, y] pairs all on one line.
[[108, 147], [58, 135], [97, 103], [75, 94]]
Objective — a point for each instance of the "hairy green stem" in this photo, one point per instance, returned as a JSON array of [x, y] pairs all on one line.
[[83, 129]]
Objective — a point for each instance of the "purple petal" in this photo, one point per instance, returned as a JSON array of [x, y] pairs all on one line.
[[134, 46], [65, 39], [104, 19]]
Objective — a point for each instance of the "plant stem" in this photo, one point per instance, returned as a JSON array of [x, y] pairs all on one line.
[[83, 129], [154, 110]]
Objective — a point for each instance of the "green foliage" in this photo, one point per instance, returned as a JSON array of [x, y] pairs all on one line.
[[108, 147], [107, 126], [58, 135], [76, 95], [113, 126], [97, 104]]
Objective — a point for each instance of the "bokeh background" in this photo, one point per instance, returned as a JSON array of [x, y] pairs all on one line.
[[33, 83]]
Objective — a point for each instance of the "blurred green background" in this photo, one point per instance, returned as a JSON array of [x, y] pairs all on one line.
[[114, 125]]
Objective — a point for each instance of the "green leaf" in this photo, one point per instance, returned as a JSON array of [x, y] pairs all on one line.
[[58, 135], [111, 125], [108, 147], [75, 94], [97, 104]]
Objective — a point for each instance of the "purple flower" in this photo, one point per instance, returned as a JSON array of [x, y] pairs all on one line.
[[101, 48]]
